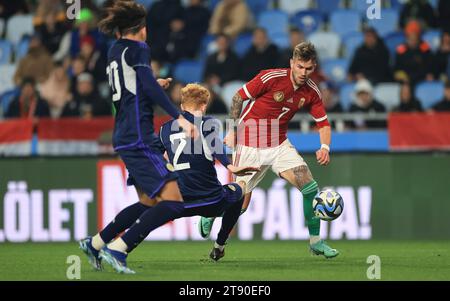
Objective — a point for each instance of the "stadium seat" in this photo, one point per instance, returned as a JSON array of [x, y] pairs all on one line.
[[242, 44], [388, 94], [393, 40], [18, 26], [207, 46], [7, 72], [274, 21], [22, 49], [397, 4], [187, 71], [343, 21], [228, 91], [434, 3], [360, 6], [308, 21], [291, 7], [328, 6], [327, 44], [281, 39], [212, 4], [145, 3], [257, 6], [5, 51], [387, 24], [429, 93], [335, 69], [346, 95], [433, 38], [351, 42], [6, 98]]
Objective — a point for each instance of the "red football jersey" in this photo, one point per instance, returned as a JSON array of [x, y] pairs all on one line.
[[273, 103]]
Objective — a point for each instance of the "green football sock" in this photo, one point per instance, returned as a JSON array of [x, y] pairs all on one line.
[[309, 191]]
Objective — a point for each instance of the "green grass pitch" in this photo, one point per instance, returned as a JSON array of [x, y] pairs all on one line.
[[244, 260]]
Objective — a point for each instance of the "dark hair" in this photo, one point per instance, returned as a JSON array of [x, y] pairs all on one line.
[[305, 51], [27, 80], [123, 17]]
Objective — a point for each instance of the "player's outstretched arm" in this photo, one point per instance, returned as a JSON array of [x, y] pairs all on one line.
[[323, 154]]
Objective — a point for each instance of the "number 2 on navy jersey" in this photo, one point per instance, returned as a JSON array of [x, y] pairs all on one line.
[[113, 76], [182, 138]]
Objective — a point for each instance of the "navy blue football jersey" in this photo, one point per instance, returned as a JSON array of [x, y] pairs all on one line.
[[134, 92], [194, 160]]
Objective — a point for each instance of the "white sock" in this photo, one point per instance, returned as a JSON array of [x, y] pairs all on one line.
[[118, 245], [314, 239], [217, 246], [97, 242]]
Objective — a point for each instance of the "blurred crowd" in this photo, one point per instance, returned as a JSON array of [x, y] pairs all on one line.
[[59, 65]]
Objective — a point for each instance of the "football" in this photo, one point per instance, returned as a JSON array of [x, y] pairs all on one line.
[[328, 205]]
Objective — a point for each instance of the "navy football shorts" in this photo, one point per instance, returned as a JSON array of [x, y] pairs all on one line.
[[147, 170], [232, 193]]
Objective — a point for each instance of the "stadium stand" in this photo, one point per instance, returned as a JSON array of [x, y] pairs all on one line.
[[388, 94], [429, 93]]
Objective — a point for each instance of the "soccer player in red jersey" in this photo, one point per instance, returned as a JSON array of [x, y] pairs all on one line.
[[260, 139]]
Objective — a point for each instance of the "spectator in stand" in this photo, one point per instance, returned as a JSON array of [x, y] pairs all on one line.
[[442, 56], [9, 8], [179, 45], [444, 104], [197, 18], [408, 103], [56, 90], [296, 36], [216, 104], [95, 61], [77, 66], [86, 26], [371, 60], [420, 10], [330, 97], [444, 15], [414, 60], [86, 102], [365, 103], [51, 29], [28, 104], [223, 65], [231, 17], [37, 63], [261, 55], [159, 18]]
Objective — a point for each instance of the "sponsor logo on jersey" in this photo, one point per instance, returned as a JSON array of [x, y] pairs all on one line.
[[301, 102], [290, 100], [278, 96]]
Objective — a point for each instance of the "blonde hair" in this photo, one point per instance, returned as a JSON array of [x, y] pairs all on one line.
[[305, 51], [194, 94]]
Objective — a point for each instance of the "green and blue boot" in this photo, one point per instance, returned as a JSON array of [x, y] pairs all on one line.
[[321, 248], [205, 226]]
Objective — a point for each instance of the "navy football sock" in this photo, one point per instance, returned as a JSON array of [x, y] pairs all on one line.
[[150, 220], [123, 221], [230, 217]]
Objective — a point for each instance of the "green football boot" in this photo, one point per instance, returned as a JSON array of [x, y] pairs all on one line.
[[205, 226], [321, 248]]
